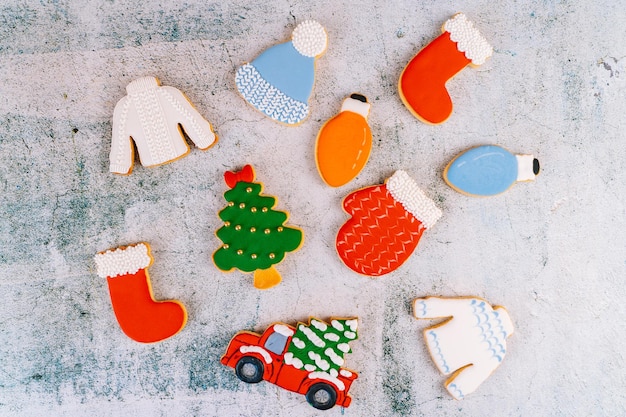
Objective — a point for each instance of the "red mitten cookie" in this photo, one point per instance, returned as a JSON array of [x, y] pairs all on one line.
[[386, 225]]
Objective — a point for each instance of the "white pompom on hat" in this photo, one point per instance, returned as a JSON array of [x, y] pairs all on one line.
[[309, 38]]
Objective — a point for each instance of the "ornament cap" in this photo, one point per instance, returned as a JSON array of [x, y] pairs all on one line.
[[358, 104], [527, 167]]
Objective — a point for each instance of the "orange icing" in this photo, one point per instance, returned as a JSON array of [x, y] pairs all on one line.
[[380, 236], [141, 317], [423, 81], [343, 147]]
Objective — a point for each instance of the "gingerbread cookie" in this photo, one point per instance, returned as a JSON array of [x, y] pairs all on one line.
[[307, 359], [422, 84], [344, 142], [154, 117], [140, 317], [489, 170], [470, 344], [279, 82], [254, 235], [386, 225]]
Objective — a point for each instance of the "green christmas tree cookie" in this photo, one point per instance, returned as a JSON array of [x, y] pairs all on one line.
[[320, 347], [254, 235]]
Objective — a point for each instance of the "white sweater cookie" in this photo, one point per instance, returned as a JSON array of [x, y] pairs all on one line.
[[470, 345], [153, 116]]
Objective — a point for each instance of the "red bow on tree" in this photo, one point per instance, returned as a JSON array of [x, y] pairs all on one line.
[[246, 175]]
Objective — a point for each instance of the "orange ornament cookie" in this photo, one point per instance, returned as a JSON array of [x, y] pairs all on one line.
[[344, 143], [141, 317], [422, 84], [386, 225]]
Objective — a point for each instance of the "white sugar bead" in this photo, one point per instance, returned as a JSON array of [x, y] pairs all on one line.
[[309, 38], [122, 261], [468, 39], [405, 191]]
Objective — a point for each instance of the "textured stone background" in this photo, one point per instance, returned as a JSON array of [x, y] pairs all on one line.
[[552, 252]]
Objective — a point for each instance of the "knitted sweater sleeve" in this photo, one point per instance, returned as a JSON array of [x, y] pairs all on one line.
[[195, 126], [435, 307], [467, 380], [121, 156]]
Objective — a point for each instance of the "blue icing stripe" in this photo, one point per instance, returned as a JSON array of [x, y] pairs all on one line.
[[457, 393], [287, 70], [437, 354], [483, 171]]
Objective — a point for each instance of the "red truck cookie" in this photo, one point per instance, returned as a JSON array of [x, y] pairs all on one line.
[[305, 359]]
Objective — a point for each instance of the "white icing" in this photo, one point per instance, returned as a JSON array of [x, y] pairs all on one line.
[[319, 325], [405, 191], [356, 106], [333, 373], [122, 261], [312, 336], [349, 335], [293, 361], [284, 330], [352, 324], [151, 115], [332, 337], [298, 343], [468, 39], [319, 361], [257, 349], [310, 367], [328, 377], [345, 372], [337, 360], [309, 38], [344, 347], [337, 325], [525, 170], [474, 334]]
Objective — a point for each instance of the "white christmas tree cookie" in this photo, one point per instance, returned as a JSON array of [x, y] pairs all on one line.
[[154, 117], [470, 344]]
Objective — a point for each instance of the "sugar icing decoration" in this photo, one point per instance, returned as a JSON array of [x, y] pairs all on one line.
[[489, 170], [139, 315], [344, 142], [386, 225], [254, 235], [312, 354], [279, 82], [422, 85], [152, 116], [470, 344]]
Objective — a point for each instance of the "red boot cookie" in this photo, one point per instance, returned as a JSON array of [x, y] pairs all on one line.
[[387, 223], [423, 82], [141, 317]]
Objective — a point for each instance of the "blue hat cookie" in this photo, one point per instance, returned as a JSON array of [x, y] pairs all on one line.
[[278, 82]]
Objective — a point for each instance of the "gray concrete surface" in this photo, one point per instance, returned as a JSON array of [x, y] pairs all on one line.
[[552, 252]]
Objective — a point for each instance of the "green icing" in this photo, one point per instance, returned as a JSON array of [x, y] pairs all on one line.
[[252, 227], [306, 345]]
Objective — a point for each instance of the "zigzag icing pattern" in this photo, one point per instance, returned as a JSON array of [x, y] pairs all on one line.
[[267, 98]]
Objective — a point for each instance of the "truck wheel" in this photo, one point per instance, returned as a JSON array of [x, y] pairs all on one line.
[[321, 396], [249, 369]]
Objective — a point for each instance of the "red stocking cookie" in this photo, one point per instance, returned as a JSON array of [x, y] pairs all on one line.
[[386, 225], [141, 317], [423, 82]]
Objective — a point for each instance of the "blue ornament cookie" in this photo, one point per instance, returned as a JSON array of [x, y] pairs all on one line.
[[489, 170]]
